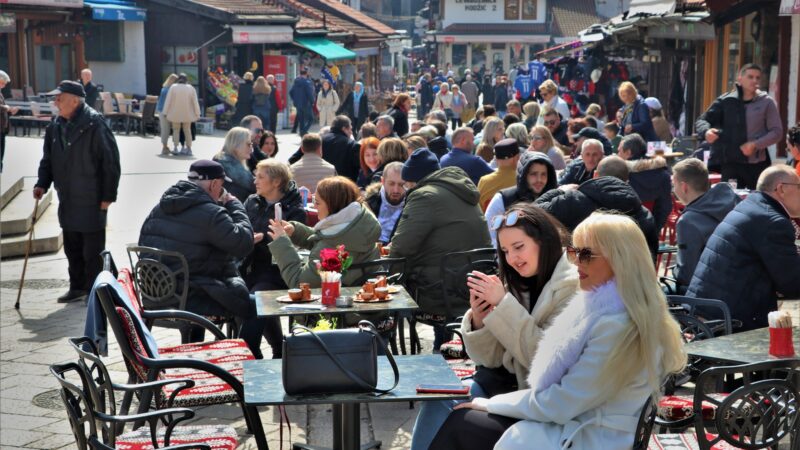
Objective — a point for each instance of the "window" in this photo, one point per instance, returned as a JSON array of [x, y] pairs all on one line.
[[459, 59], [179, 60], [512, 10], [104, 41], [528, 9]]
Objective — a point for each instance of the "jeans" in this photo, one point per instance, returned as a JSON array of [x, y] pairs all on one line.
[[433, 414], [304, 119]]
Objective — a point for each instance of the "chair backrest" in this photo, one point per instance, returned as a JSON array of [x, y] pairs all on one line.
[[392, 268], [36, 109], [108, 103], [77, 401], [122, 106], [644, 428], [16, 94], [718, 306], [161, 277], [102, 391], [149, 108], [757, 415], [454, 269]]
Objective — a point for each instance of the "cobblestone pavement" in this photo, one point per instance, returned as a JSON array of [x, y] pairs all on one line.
[[31, 413]]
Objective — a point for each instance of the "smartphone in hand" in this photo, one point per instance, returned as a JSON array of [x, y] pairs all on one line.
[[278, 212], [442, 389]]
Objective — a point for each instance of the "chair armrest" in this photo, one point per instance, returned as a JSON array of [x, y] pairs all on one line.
[[186, 316], [154, 385], [675, 424], [670, 283]]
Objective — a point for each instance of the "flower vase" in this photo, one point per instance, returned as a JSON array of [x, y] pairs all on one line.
[[330, 290]]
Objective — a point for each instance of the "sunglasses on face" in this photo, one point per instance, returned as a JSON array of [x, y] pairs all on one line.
[[508, 220], [580, 255]]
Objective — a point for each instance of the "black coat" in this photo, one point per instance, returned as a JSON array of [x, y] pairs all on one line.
[[244, 101], [400, 121], [258, 265], [750, 256], [575, 173], [343, 152], [83, 164], [213, 238], [652, 181], [426, 94], [92, 94], [348, 109], [608, 193], [500, 97], [522, 191], [727, 114]]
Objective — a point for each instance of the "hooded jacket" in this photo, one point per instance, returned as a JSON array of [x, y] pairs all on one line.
[[81, 159], [342, 152], [695, 226], [511, 333], [441, 215], [258, 265], [212, 237], [749, 257], [728, 115], [651, 180], [607, 193], [354, 226]]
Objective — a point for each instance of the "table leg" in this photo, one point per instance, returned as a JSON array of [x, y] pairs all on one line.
[[346, 430]]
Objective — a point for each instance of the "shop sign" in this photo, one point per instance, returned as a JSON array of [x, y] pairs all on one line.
[[493, 11], [59, 3], [8, 23], [789, 7], [261, 34]]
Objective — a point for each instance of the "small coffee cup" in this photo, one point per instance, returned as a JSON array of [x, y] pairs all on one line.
[[306, 288], [369, 286], [382, 293], [296, 294]]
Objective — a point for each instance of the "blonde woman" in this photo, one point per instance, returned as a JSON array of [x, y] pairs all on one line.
[[261, 104], [549, 92], [327, 104], [493, 131], [598, 362], [519, 133], [542, 141], [234, 155], [163, 123], [181, 110], [635, 113], [531, 110]]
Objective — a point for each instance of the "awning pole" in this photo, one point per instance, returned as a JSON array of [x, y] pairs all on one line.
[[214, 38]]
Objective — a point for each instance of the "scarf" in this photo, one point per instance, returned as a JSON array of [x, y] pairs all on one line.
[[357, 94], [339, 221], [564, 341], [325, 92]]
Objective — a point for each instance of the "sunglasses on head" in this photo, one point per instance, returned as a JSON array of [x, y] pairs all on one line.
[[580, 255], [508, 220]]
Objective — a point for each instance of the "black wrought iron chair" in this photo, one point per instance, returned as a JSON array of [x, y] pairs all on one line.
[[91, 411], [696, 306], [760, 414], [161, 278], [453, 284], [644, 428]]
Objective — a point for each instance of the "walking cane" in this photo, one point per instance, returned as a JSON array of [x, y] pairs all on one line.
[[27, 252]]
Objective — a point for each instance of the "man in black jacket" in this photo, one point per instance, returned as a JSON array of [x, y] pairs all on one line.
[[81, 158], [92, 93], [210, 228], [339, 149]]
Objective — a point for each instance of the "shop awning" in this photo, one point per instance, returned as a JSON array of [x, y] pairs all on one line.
[[252, 34], [789, 7], [651, 7], [330, 50], [116, 11]]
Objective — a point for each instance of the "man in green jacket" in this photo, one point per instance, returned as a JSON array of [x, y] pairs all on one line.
[[441, 216]]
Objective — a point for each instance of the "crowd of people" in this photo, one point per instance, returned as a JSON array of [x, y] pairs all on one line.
[[573, 206]]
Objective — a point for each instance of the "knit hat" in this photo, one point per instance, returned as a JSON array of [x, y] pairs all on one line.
[[421, 164], [506, 148], [652, 103]]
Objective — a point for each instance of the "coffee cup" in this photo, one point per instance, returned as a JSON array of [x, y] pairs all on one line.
[[381, 281], [369, 286], [382, 293], [296, 294], [367, 295], [306, 288]]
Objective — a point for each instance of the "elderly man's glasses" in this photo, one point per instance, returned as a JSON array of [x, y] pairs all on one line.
[[580, 255]]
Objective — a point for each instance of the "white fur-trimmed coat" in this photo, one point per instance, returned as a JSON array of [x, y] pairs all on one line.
[[574, 407], [511, 335]]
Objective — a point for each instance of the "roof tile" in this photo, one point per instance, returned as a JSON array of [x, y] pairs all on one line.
[[572, 16]]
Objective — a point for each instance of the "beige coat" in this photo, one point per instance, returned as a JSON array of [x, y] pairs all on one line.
[[327, 106], [510, 334], [181, 105]]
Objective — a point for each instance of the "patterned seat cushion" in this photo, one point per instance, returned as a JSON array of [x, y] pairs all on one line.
[[219, 437], [683, 441], [463, 368], [453, 349], [676, 407]]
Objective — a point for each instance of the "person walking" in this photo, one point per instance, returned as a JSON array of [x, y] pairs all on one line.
[[399, 112], [302, 94], [5, 112], [327, 104], [356, 106], [261, 104], [426, 95], [244, 99], [181, 110], [740, 125], [163, 123], [459, 104], [81, 159], [470, 90], [275, 103], [444, 100]]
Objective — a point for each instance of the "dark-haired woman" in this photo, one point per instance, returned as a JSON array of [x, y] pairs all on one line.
[[509, 312], [268, 144], [343, 219]]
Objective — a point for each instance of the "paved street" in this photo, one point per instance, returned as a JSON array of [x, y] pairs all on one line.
[[31, 414]]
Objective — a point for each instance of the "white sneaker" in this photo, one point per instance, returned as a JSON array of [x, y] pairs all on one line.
[[186, 151]]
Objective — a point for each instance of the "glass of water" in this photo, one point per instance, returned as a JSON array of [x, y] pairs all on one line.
[[732, 182]]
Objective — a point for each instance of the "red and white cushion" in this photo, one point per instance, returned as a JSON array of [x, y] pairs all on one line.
[[684, 441], [219, 437], [453, 349], [676, 407], [463, 368]]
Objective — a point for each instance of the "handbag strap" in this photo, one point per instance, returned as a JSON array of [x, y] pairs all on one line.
[[368, 327]]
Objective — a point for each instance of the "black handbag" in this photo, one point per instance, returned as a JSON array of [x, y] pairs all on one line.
[[335, 361]]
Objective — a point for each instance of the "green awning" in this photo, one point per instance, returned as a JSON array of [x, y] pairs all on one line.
[[330, 50]]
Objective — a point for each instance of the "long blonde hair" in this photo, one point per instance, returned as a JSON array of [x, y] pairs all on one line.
[[171, 79], [261, 86], [652, 333], [486, 147], [544, 132], [234, 138]]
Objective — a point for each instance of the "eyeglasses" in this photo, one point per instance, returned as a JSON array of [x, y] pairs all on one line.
[[508, 220], [580, 255]]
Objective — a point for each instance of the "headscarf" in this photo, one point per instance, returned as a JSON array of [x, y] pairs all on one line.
[[356, 93]]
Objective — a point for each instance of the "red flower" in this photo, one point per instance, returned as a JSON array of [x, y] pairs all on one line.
[[332, 264], [328, 253]]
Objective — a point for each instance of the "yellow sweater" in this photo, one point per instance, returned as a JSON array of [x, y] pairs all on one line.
[[490, 184]]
